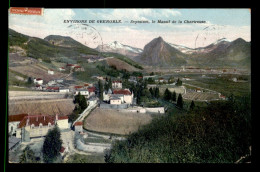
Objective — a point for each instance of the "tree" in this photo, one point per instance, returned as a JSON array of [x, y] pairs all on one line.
[[152, 91], [167, 94], [27, 156], [179, 82], [52, 145], [180, 101], [152, 73], [192, 105], [106, 86], [110, 83], [173, 96], [101, 89], [157, 94], [30, 81], [81, 101]]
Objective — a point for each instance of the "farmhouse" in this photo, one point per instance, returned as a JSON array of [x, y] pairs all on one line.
[[91, 91], [116, 84], [51, 72], [78, 126], [70, 66], [38, 125], [61, 69], [38, 81], [64, 90], [78, 68], [53, 89], [127, 95]]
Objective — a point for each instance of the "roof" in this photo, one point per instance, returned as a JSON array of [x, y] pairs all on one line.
[[63, 117], [77, 67], [38, 79], [86, 84], [91, 89], [124, 92], [16, 118], [36, 120], [62, 149], [79, 123], [52, 88], [117, 81], [78, 86], [62, 68]]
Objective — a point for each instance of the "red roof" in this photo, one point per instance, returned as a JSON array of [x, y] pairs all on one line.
[[139, 77], [78, 86], [91, 89], [36, 120], [62, 67], [124, 92], [16, 118], [38, 79], [52, 88], [62, 149], [77, 67], [63, 117], [86, 85], [117, 81], [78, 123], [38, 85]]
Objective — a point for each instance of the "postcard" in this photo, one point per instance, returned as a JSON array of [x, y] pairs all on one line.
[[129, 85]]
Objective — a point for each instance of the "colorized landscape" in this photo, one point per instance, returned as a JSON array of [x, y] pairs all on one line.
[[72, 101]]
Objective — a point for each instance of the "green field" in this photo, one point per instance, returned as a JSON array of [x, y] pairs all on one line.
[[78, 158]]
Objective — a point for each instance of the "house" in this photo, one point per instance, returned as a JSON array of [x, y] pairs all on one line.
[[38, 81], [107, 94], [91, 91], [78, 126], [70, 66], [198, 90], [78, 68], [127, 95], [59, 80], [160, 80], [83, 92], [13, 122], [61, 69], [38, 87], [234, 79], [53, 89], [116, 84], [51, 72], [38, 125], [114, 100], [64, 90]]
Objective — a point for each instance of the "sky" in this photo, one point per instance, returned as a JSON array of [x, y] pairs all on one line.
[[219, 23]]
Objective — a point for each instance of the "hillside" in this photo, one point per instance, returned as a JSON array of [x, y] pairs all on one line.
[[121, 65], [49, 47]]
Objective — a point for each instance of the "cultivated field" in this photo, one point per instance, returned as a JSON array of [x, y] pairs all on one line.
[[200, 96], [113, 121], [50, 107], [37, 71], [119, 64]]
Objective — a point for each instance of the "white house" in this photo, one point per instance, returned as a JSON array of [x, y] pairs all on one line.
[[61, 69], [127, 95], [51, 72], [83, 92], [38, 81], [116, 84], [62, 122], [115, 101], [78, 126], [52, 82], [92, 101], [107, 94], [64, 90]]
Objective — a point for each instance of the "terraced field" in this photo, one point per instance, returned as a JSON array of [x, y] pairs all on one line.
[[200, 96]]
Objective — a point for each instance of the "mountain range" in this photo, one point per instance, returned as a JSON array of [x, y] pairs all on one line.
[[222, 53]]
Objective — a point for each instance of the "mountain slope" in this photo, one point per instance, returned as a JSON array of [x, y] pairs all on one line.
[[49, 47], [159, 53], [117, 47]]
